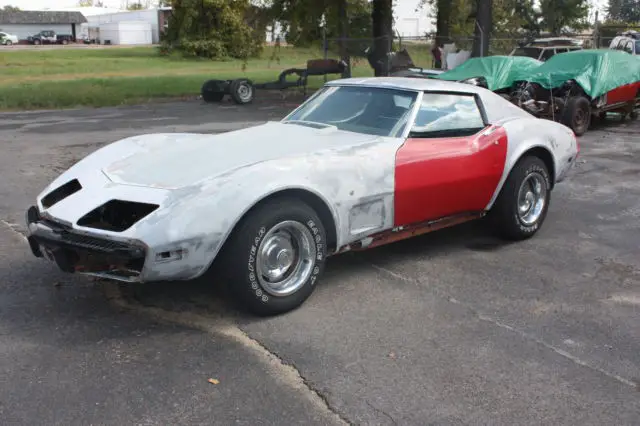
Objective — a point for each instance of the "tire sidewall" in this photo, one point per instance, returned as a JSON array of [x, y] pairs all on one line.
[[246, 283], [234, 88], [580, 104], [529, 167]]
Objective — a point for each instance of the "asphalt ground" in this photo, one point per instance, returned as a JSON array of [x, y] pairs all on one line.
[[455, 327]]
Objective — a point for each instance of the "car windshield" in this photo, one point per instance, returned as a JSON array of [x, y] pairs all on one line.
[[370, 110], [532, 52]]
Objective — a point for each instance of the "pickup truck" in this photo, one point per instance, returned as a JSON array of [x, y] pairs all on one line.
[[50, 37]]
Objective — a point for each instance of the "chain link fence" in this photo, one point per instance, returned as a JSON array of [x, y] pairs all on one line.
[[358, 52]]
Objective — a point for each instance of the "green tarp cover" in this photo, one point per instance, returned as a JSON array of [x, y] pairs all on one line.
[[597, 71], [500, 71]]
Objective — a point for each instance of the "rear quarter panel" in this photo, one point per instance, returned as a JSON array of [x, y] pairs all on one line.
[[527, 133], [625, 93]]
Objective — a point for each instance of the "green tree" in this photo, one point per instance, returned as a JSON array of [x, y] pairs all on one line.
[[214, 29], [630, 11], [11, 9], [557, 15], [306, 21], [511, 19], [613, 9]]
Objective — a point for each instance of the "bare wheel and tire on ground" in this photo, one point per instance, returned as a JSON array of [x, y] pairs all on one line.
[[275, 256], [241, 91]]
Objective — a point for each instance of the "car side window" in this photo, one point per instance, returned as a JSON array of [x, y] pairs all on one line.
[[444, 115], [615, 44], [628, 47], [546, 54]]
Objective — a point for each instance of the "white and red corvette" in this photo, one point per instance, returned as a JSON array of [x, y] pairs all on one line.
[[363, 162]]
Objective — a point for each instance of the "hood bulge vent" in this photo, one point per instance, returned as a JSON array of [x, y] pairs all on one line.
[[61, 193], [116, 215]]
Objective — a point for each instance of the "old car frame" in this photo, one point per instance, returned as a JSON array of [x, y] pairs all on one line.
[[572, 88], [242, 90]]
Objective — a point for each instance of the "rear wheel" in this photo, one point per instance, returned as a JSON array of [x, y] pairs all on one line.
[[522, 205], [275, 257], [577, 115]]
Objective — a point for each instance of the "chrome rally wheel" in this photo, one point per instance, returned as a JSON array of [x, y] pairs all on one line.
[[521, 207], [285, 258], [275, 256]]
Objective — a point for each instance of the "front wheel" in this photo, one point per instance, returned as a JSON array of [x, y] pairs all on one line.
[[522, 205], [275, 257]]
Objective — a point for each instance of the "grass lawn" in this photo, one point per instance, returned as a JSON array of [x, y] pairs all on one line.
[[66, 77]]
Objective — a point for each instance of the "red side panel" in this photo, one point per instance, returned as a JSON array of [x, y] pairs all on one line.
[[440, 177], [624, 93]]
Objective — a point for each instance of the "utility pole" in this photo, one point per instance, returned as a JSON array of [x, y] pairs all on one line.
[[482, 31]]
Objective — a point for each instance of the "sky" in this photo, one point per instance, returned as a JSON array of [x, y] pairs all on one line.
[[52, 4]]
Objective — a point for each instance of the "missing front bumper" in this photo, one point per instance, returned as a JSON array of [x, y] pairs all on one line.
[[73, 251]]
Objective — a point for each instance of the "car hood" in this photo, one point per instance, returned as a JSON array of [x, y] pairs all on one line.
[[175, 160]]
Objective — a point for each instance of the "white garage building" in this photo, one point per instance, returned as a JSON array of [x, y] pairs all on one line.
[[412, 23], [126, 33], [122, 26], [130, 23], [28, 22]]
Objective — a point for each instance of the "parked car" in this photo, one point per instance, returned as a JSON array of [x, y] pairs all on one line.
[[7, 39], [361, 163], [50, 37], [544, 48], [572, 87], [496, 73], [628, 41]]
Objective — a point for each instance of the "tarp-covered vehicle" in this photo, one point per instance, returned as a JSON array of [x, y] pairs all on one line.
[[575, 86], [496, 73]]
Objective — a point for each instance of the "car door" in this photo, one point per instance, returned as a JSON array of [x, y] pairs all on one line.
[[451, 162]]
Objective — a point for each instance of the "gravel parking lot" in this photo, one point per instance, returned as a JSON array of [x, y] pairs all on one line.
[[455, 327]]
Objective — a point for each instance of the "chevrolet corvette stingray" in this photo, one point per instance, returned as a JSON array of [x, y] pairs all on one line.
[[362, 162]]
